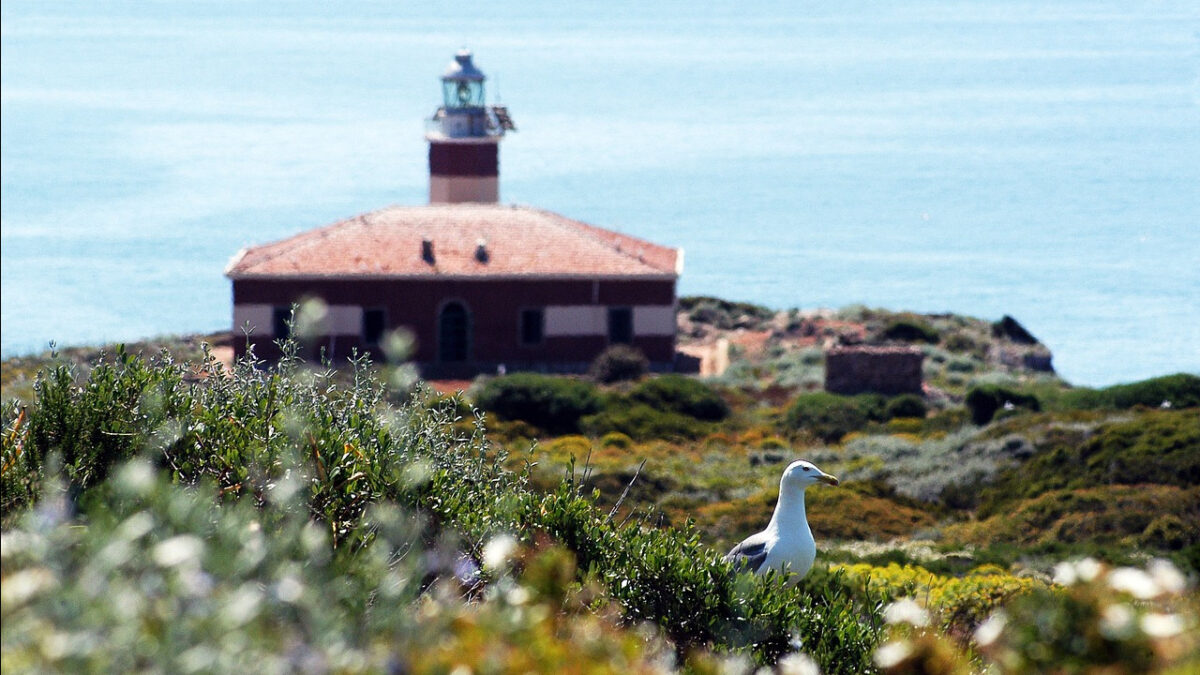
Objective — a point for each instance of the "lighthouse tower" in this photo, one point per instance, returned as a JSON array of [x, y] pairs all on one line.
[[464, 138]]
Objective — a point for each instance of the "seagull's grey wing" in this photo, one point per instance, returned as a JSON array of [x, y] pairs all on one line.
[[749, 555]]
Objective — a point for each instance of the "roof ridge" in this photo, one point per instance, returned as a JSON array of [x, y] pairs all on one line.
[[594, 232]]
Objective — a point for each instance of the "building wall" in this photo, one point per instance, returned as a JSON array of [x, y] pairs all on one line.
[[575, 311], [884, 370]]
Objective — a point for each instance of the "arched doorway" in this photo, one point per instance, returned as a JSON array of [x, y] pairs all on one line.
[[454, 333]]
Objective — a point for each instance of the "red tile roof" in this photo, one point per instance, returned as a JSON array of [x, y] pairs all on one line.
[[520, 242]]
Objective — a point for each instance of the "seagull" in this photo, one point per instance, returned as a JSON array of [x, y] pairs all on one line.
[[787, 545]]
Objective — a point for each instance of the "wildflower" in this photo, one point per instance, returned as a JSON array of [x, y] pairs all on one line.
[[1167, 576], [1133, 581], [798, 664], [991, 629], [178, 550], [1117, 621], [498, 550], [892, 654], [906, 611], [1162, 625]]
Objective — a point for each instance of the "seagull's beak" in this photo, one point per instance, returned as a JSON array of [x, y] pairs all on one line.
[[826, 478]]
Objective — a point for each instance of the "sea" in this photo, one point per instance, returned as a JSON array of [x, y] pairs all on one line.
[[1033, 158]]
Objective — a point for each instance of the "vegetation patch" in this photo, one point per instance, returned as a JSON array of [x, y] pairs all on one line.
[[619, 363], [1163, 516], [555, 404], [683, 395], [1155, 447], [909, 330], [1170, 391], [986, 400]]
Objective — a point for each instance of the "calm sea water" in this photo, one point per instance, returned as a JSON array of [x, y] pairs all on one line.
[[1040, 159]]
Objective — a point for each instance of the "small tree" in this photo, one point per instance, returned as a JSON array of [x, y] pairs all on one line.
[[619, 363]]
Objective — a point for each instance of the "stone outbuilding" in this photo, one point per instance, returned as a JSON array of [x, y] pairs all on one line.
[[879, 369]]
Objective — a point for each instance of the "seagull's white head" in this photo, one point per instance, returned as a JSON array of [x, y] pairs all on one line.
[[802, 473]]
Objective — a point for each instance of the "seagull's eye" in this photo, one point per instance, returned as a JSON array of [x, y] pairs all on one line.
[[806, 468]]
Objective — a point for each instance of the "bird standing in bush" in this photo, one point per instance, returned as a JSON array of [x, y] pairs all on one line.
[[787, 545]]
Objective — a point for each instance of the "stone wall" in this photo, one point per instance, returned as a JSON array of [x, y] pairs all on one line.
[[884, 370]]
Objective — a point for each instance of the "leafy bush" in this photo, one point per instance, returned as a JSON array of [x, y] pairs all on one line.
[[1097, 619], [1177, 391], [684, 395], [617, 440], [552, 403], [619, 363], [908, 330], [829, 417], [961, 602], [905, 405], [642, 423], [984, 400]]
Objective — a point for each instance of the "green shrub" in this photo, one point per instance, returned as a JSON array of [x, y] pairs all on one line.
[[619, 363], [684, 395], [723, 313], [1177, 391], [553, 403], [905, 405], [617, 440], [908, 330], [1155, 447], [830, 416], [643, 423], [984, 400]]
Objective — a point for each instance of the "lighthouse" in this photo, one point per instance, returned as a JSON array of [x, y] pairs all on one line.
[[464, 138]]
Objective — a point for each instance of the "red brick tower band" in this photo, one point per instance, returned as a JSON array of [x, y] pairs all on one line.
[[464, 136]]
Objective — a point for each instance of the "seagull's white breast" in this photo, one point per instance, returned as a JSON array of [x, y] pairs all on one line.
[[794, 554]]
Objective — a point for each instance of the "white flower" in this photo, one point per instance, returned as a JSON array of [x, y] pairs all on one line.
[[989, 630], [798, 664], [906, 611], [1167, 576], [23, 585], [1162, 625], [1134, 582], [1116, 621], [498, 550], [1088, 569], [289, 589], [178, 550], [1064, 574], [892, 653]]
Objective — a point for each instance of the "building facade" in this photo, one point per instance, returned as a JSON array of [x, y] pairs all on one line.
[[479, 286]]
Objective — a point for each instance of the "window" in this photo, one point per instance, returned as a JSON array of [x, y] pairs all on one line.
[[620, 325], [281, 318], [533, 326], [374, 321]]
